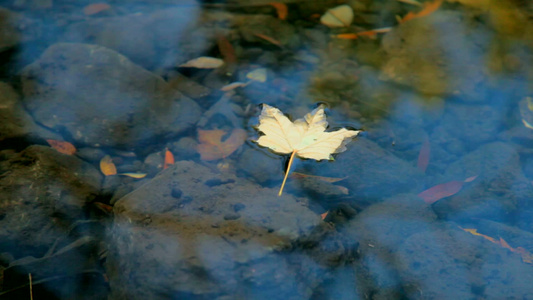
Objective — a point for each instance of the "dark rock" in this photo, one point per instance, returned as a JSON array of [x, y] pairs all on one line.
[[12, 29], [48, 188], [153, 163], [260, 166], [448, 263], [16, 123], [380, 229], [64, 91], [251, 25], [194, 248], [184, 148], [481, 121], [499, 191], [90, 154], [372, 172], [161, 39]]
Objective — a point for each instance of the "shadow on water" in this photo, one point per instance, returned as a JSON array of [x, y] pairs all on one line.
[[432, 200]]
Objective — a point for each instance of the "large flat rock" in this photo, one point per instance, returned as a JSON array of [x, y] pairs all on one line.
[[100, 98]]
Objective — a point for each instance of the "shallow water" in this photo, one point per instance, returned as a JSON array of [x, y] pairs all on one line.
[[432, 200]]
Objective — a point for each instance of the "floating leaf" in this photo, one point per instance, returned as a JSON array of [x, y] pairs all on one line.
[[212, 147], [203, 62], [428, 8], [258, 75], [107, 166], [62, 146], [340, 16], [169, 159], [443, 190], [305, 138], [95, 8], [133, 175], [281, 9]]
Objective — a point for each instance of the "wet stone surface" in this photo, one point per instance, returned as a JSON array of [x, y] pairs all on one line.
[[189, 222], [164, 193], [107, 112]]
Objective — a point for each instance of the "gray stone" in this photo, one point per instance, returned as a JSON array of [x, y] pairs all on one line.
[[162, 245], [37, 185], [447, 263], [101, 98], [16, 122], [499, 191]]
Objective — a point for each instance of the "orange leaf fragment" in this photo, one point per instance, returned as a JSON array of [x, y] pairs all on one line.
[[268, 39], [281, 9], [62, 147], [527, 257], [107, 166], [369, 33], [212, 147], [95, 8], [474, 232], [324, 215], [423, 156], [428, 8], [169, 159]]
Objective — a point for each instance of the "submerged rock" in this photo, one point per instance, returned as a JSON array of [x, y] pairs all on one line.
[[100, 98], [17, 124], [192, 232], [42, 192]]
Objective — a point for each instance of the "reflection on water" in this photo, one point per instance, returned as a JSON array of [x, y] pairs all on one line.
[[431, 201]]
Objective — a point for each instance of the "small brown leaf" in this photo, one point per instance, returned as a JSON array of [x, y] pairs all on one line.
[[268, 39], [322, 178], [428, 8], [226, 50], [212, 147], [107, 166], [281, 9], [62, 146]]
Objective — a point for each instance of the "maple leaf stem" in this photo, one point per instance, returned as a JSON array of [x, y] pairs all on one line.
[[287, 172]]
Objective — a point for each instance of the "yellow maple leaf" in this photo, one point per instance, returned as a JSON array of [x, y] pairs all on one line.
[[305, 138]]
